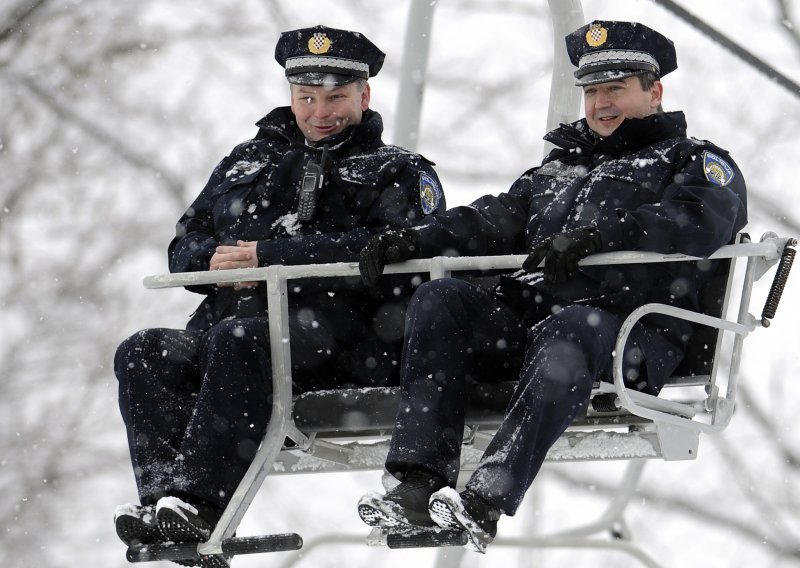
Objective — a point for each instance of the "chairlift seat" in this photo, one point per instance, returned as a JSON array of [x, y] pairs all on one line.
[[349, 429]]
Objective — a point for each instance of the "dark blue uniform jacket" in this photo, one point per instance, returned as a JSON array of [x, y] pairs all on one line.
[[645, 187], [369, 187]]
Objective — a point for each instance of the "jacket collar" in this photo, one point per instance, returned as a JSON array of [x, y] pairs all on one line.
[[281, 121], [578, 140]]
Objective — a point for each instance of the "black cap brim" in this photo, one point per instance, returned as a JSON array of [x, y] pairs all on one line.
[[321, 79], [606, 76]]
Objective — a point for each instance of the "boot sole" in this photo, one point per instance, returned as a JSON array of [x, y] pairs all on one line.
[[376, 511], [371, 510], [447, 511], [134, 531], [175, 528]]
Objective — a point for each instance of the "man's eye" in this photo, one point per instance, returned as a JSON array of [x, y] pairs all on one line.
[[307, 100]]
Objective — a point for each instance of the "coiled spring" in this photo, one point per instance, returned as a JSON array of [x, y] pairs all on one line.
[[606, 402], [778, 283]]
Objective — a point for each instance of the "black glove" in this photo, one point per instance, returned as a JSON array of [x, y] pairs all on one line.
[[561, 253], [383, 249]]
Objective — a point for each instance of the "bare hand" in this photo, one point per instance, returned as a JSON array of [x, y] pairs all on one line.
[[227, 257]]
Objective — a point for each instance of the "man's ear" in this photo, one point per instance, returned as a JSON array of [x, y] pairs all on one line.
[[656, 94], [365, 94]]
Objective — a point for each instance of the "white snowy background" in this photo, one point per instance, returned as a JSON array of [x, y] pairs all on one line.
[[113, 114]]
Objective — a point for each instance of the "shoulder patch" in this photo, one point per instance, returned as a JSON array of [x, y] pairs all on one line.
[[430, 194], [717, 170]]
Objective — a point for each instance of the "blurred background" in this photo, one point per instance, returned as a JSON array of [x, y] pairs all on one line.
[[112, 116]]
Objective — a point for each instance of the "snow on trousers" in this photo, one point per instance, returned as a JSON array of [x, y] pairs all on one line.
[[196, 404], [457, 333]]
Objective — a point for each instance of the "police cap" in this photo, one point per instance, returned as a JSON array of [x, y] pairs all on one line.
[[322, 55], [608, 51]]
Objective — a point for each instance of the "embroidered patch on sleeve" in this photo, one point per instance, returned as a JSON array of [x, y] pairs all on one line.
[[717, 170], [430, 194]]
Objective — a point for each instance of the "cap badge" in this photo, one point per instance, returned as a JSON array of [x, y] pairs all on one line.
[[319, 43], [597, 35]]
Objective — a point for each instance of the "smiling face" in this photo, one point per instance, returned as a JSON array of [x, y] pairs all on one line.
[[323, 111], [608, 104]]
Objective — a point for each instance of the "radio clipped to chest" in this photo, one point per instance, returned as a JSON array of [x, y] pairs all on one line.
[[311, 188]]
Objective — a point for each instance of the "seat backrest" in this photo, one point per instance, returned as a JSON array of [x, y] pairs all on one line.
[[374, 409], [703, 348]]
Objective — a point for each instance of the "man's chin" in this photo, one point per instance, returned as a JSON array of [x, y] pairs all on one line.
[[605, 128], [320, 133]]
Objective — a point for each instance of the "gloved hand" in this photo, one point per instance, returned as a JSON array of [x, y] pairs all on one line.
[[383, 249], [561, 253]]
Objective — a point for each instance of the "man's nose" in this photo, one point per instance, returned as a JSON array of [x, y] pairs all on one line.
[[322, 108], [602, 100]]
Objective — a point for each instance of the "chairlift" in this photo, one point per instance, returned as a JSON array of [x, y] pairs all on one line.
[[349, 429]]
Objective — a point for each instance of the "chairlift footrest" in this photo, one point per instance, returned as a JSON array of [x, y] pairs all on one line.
[[230, 547], [425, 538]]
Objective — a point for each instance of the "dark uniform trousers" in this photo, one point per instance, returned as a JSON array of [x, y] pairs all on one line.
[[457, 333], [196, 403]]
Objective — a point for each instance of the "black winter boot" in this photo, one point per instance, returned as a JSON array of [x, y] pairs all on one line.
[[406, 504], [136, 524], [181, 522], [466, 511]]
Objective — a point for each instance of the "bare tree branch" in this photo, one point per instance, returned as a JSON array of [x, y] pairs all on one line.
[[787, 22], [770, 515], [683, 506], [748, 404], [124, 151], [19, 16]]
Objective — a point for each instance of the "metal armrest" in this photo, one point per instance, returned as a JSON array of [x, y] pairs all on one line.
[[653, 407], [760, 257]]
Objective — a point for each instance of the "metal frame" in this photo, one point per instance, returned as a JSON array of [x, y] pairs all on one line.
[[565, 99], [412, 73], [673, 423]]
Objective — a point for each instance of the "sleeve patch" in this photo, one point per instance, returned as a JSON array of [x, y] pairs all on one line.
[[717, 170], [430, 194]]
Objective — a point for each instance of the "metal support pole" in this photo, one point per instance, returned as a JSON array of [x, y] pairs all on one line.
[[279, 417], [412, 73], [565, 97]]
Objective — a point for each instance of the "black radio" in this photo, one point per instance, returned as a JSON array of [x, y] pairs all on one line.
[[311, 188]]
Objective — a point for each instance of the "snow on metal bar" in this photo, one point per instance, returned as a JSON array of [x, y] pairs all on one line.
[[770, 249]]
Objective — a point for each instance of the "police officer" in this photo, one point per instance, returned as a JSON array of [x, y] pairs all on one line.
[[626, 177], [312, 186]]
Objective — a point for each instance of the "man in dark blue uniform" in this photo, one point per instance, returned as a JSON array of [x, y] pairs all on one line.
[[626, 177], [313, 185]]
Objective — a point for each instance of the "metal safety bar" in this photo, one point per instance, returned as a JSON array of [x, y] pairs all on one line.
[[769, 250]]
